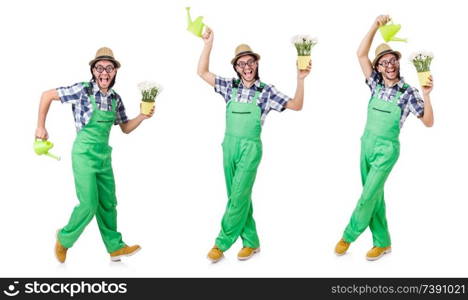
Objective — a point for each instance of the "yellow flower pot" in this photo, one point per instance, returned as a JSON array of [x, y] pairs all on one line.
[[424, 78], [303, 62], [146, 107]]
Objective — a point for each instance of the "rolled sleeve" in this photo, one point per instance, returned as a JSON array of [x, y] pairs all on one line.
[[373, 80], [222, 86], [416, 103], [120, 114], [71, 94], [277, 99]]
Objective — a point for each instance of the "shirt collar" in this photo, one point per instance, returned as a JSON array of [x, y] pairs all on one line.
[[399, 84], [96, 90], [256, 83]]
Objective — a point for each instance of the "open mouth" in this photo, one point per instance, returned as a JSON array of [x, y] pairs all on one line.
[[104, 80], [248, 73], [391, 72]]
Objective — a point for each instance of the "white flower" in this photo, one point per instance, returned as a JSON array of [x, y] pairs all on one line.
[[421, 60], [427, 54], [303, 39], [420, 55], [149, 90], [148, 85], [303, 44], [412, 56]]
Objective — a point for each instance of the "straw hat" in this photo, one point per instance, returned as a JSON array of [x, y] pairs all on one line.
[[243, 49], [105, 53], [383, 49]]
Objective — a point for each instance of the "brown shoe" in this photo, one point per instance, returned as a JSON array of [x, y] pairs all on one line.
[[246, 253], [124, 251], [377, 252], [215, 254], [60, 252], [341, 247]]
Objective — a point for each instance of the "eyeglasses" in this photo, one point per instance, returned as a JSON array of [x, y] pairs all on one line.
[[108, 69], [242, 64], [392, 61]]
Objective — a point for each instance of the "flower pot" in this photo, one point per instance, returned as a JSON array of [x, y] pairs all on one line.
[[424, 78], [303, 62], [146, 107]]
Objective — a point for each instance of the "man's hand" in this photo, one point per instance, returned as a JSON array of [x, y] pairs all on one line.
[[41, 133], [428, 116], [149, 115], [381, 20], [427, 89], [208, 36], [301, 74]]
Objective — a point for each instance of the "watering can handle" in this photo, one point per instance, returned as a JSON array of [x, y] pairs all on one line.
[[388, 23]]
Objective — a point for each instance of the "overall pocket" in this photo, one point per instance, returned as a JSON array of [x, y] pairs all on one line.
[[242, 112], [385, 111]]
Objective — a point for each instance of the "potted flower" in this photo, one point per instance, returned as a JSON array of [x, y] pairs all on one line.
[[149, 91], [422, 62], [303, 44]]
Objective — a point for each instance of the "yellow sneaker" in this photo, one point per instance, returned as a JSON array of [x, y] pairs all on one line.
[[60, 252], [247, 252], [377, 252], [124, 251], [215, 254], [341, 247]]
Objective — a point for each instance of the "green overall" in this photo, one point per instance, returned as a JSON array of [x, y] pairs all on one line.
[[242, 152], [380, 148], [94, 180]]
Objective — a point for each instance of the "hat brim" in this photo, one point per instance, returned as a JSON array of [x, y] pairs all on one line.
[[109, 58], [239, 55], [376, 59]]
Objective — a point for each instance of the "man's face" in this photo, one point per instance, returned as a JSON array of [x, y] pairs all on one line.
[[389, 66], [246, 66], [104, 72]]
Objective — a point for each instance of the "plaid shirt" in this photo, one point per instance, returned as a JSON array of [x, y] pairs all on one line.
[[409, 102], [269, 99], [82, 107]]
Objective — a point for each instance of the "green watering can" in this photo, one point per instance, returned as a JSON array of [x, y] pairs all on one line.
[[195, 27], [43, 146], [389, 31]]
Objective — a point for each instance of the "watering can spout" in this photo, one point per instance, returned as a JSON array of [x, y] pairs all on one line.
[[395, 39], [195, 27], [389, 32], [189, 18]]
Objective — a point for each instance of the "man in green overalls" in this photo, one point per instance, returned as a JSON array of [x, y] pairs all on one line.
[[248, 102], [391, 102], [96, 107]]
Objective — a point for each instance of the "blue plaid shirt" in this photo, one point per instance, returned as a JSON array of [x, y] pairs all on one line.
[[269, 99], [409, 102], [82, 108]]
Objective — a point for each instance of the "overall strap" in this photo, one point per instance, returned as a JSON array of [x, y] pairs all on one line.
[[258, 91], [113, 100], [89, 90], [235, 86], [377, 90], [400, 92]]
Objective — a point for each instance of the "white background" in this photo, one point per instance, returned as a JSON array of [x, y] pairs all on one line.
[[169, 175]]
